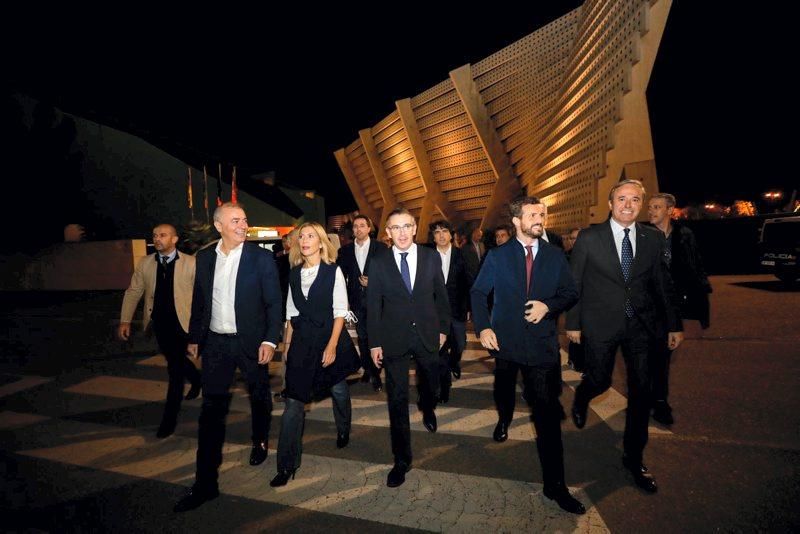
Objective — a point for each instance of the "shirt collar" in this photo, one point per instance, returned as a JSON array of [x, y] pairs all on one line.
[[411, 250], [535, 243], [617, 228], [236, 249], [170, 257], [361, 247]]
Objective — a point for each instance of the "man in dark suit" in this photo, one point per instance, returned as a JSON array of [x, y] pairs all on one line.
[[408, 314], [235, 323], [551, 237], [626, 299], [474, 251], [692, 288], [457, 282], [532, 284], [355, 259]]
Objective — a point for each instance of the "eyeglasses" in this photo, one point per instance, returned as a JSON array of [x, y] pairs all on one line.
[[397, 227]]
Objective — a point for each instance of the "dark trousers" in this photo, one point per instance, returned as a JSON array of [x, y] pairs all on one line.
[[290, 442], [451, 351], [636, 347], [172, 342], [542, 388], [221, 356], [659, 372], [363, 344], [397, 367]]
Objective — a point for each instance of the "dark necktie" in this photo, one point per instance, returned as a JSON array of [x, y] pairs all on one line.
[[164, 261], [627, 261], [405, 272], [529, 267]]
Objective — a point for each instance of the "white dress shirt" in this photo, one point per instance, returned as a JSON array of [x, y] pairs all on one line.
[[534, 250], [170, 257], [307, 277], [411, 259], [223, 299], [361, 254], [446, 260], [619, 234]]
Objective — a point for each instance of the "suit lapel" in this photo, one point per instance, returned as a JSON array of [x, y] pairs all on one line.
[[610, 247], [421, 271], [642, 245], [538, 266]]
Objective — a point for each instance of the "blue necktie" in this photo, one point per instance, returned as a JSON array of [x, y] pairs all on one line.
[[627, 261], [405, 272]]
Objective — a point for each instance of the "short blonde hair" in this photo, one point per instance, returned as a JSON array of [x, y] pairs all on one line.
[[328, 252], [628, 181]]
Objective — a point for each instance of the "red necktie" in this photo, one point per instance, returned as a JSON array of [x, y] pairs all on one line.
[[529, 267]]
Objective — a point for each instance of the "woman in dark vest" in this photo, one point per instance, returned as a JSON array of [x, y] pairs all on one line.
[[322, 355]]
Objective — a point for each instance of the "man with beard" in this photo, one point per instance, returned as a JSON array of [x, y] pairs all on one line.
[[532, 284]]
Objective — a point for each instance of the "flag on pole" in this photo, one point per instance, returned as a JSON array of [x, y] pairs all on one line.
[[234, 189], [219, 184], [205, 191], [191, 202]]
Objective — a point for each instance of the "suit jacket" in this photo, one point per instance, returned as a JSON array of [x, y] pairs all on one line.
[[600, 312], [356, 293], [143, 282], [458, 284], [555, 240], [257, 302], [471, 258], [552, 284], [391, 310]]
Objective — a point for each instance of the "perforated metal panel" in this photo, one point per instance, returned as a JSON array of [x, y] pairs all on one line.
[[555, 101]]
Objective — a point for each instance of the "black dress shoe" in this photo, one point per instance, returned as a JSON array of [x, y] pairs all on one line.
[[662, 412], [193, 392], [456, 370], [633, 466], [282, 478], [164, 431], [567, 502], [377, 385], [342, 439], [579, 415], [500, 432], [280, 397], [195, 498], [397, 475], [259, 453], [429, 420], [641, 477]]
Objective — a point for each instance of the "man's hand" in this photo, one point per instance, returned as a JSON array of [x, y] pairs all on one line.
[[574, 336], [124, 331], [265, 353], [191, 350], [363, 280], [377, 356], [442, 339], [328, 355], [489, 340], [535, 311], [674, 339]]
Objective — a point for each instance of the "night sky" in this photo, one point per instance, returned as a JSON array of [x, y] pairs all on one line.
[[281, 93]]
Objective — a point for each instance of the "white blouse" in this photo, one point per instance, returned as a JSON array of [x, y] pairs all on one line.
[[307, 277]]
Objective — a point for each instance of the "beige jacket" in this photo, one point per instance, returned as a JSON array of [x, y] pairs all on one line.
[[143, 281]]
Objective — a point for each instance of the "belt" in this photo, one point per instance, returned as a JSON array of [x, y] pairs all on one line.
[[223, 335]]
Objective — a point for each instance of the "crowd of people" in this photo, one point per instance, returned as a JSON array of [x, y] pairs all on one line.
[[620, 285]]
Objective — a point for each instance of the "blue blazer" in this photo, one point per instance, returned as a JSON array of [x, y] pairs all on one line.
[[504, 271], [257, 302]]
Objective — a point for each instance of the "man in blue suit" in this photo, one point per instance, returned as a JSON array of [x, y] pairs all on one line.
[[235, 323], [532, 284]]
